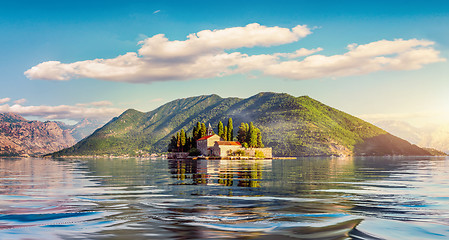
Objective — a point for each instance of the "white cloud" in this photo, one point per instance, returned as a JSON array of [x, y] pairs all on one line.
[[209, 54], [4, 100], [382, 55], [299, 53], [214, 42], [69, 112], [202, 55], [20, 101], [156, 11]]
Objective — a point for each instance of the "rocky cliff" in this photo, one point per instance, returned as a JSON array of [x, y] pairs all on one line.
[[20, 137]]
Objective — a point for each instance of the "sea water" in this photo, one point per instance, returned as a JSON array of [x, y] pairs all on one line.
[[306, 198]]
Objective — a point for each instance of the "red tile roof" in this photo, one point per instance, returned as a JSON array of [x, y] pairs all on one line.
[[206, 137], [228, 143]]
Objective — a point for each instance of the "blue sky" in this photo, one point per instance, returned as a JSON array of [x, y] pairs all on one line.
[[35, 32]]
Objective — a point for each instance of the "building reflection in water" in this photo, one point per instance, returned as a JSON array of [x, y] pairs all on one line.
[[241, 173]]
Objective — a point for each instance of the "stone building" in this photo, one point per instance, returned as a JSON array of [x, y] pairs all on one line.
[[223, 148], [205, 144], [214, 145]]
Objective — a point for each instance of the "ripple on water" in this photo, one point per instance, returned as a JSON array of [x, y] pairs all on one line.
[[280, 199]]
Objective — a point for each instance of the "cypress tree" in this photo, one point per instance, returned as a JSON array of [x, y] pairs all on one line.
[[252, 135], [241, 134], [194, 132], [248, 132], [203, 130], [259, 139], [225, 133], [187, 147], [183, 139], [178, 141], [230, 130], [198, 133], [220, 129], [172, 144]]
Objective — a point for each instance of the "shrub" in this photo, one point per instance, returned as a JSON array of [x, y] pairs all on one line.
[[259, 154], [194, 152]]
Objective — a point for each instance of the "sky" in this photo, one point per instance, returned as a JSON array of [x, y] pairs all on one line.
[[378, 60]]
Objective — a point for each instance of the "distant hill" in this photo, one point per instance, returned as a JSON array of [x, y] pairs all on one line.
[[436, 137], [292, 126], [81, 129], [20, 137]]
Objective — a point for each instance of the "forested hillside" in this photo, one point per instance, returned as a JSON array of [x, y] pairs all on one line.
[[292, 126]]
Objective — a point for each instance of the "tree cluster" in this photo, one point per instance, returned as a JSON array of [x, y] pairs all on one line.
[[181, 142], [226, 132], [199, 131], [249, 136]]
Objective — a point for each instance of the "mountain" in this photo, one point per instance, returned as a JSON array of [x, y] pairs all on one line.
[[428, 137], [292, 126], [81, 129], [437, 137], [401, 129], [20, 137]]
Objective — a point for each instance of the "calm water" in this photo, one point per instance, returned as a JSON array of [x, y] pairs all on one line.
[[308, 198]]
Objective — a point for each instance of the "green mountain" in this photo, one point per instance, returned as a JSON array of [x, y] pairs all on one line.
[[292, 126]]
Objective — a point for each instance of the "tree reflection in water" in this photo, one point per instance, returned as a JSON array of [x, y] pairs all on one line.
[[241, 173]]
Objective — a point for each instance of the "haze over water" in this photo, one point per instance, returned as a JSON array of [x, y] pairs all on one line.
[[308, 198]]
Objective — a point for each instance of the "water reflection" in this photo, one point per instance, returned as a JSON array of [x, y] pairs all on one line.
[[241, 173], [307, 198]]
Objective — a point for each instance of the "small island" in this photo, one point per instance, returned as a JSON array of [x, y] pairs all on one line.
[[205, 144]]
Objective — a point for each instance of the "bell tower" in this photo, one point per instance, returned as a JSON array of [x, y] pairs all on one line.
[[210, 131]]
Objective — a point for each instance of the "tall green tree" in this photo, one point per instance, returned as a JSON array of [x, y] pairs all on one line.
[[203, 130], [187, 146], [259, 139], [172, 144], [198, 131], [248, 132], [252, 135], [241, 134], [220, 129], [225, 133], [230, 135], [178, 141], [194, 132], [182, 139]]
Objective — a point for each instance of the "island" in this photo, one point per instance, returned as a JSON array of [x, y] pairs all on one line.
[[205, 144], [291, 126]]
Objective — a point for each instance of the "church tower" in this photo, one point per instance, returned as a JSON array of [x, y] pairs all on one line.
[[210, 131]]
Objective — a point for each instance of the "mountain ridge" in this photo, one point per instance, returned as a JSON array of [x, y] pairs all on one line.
[[22, 137], [292, 126], [433, 136]]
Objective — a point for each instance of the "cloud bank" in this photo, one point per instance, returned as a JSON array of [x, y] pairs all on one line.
[[4, 100], [213, 53], [95, 110]]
